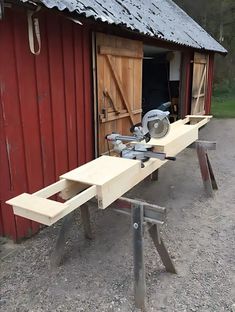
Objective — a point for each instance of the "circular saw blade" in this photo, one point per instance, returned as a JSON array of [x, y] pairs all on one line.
[[159, 128]]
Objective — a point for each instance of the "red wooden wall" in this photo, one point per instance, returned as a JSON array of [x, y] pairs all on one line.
[[46, 109]]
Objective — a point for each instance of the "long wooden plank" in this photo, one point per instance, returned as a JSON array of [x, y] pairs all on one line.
[[120, 52]]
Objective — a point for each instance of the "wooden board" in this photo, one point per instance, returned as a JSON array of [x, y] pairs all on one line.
[[176, 140], [119, 85], [101, 170], [113, 177], [199, 84], [48, 211], [106, 177]]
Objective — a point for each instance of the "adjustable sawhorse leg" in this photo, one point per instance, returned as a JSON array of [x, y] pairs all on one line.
[[207, 174], [142, 214], [152, 216], [58, 252]]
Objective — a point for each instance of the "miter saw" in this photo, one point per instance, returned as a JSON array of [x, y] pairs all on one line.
[[155, 124]]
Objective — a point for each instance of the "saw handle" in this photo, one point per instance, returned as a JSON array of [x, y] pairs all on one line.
[[170, 158]]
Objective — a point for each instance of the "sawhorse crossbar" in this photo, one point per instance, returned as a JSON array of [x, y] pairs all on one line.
[[142, 215]]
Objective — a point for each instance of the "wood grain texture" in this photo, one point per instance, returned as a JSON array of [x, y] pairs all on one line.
[[101, 170], [199, 84], [119, 73]]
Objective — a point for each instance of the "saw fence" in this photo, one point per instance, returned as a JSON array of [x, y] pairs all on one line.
[[106, 179]]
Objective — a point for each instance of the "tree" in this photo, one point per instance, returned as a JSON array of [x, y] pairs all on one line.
[[218, 18]]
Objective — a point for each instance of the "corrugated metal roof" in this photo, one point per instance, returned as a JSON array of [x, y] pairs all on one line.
[[162, 19]]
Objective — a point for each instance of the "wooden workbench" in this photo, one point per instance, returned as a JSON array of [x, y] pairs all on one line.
[[107, 178]]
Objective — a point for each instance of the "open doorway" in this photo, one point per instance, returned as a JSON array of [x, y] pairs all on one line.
[[161, 79]]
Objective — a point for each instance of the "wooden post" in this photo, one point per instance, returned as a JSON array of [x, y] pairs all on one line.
[[138, 253], [85, 216], [163, 253]]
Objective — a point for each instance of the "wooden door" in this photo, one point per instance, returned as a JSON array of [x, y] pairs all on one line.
[[199, 85], [119, 85]]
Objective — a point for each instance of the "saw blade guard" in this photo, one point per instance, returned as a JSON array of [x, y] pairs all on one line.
[[156, 123]]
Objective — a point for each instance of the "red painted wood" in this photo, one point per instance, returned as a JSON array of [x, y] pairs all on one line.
[[28, 107], [79, 78], [209, 84], [44, 106], [8, 226], [12, 122], [70, 101], [47, 111], [57, 93], [89, 131]]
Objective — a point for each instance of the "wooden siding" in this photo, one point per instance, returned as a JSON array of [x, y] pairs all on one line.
[[119, 77], [46, 108]]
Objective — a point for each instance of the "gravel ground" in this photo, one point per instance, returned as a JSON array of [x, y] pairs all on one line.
[[97, 275]]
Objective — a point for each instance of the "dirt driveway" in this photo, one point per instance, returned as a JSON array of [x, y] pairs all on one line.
[[97, 275]]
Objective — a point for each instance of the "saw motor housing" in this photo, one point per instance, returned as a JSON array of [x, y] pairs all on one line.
[[154, 124]]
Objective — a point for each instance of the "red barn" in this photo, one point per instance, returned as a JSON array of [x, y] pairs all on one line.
[[73, 71]]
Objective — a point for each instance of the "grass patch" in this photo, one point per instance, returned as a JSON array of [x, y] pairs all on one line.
[[223, 106]]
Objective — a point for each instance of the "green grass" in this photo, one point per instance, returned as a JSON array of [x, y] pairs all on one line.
[[223, 106]]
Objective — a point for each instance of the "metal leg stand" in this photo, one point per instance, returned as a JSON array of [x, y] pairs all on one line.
[[138, 253], [85, 216], [144, 213], [163, 253], [154, 176], [58, 253], [212, 176], [207, 174]]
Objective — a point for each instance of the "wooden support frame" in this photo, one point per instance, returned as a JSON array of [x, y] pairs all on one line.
[[107, 178], [38, 207]]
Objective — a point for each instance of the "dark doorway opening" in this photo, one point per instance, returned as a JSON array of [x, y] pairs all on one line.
[[161, 79]]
